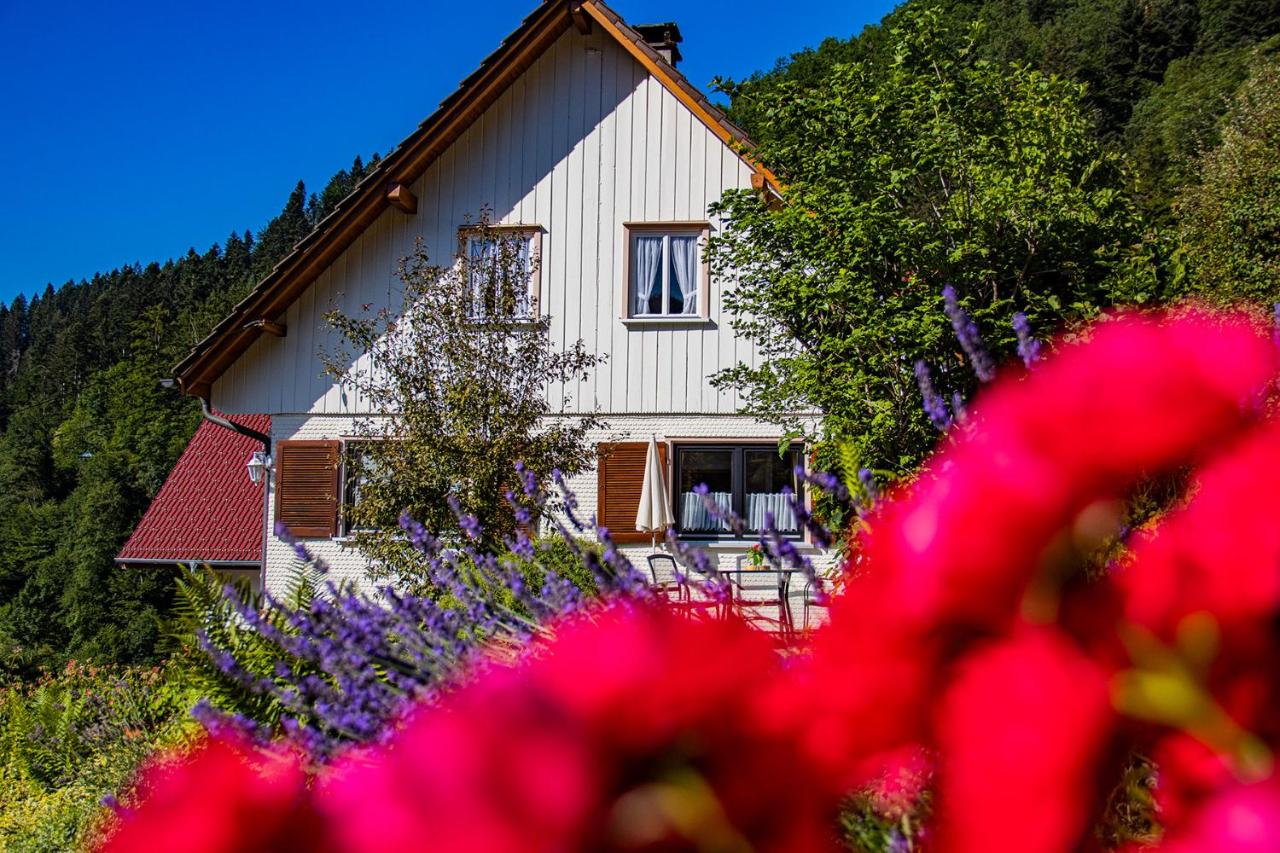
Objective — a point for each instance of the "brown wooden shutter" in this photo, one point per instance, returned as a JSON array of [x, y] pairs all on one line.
[[621, 479], [307, 487]]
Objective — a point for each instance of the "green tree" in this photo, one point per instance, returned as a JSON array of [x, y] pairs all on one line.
[[463, 367], [935, 168], [1230, 221], [1179, 121], [282, 233], [87, 436]]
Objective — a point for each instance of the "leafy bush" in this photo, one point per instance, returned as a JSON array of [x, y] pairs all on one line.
[[1230, 220], [72, 738], [901, 177]]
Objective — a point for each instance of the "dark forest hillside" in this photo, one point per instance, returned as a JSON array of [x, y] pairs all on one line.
[[87, 435]]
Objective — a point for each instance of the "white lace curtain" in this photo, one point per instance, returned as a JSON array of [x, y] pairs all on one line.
[[761, 503], [482, 254], [492, 268], [684, 266], [695, 516], [648, 271]]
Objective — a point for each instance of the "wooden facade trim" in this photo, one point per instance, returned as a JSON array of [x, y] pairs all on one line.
[[402, 198], [581, 21]]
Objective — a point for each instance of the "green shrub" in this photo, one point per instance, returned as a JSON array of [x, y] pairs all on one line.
[[71, 738]]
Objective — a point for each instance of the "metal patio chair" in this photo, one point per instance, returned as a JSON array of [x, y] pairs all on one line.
[[670, 590]]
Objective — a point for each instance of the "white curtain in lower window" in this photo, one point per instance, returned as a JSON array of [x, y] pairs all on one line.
[[694, 515], [648, 264], [760, 503], [684, 265]]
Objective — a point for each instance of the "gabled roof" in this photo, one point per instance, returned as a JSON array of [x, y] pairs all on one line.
[[207, 511], [408, 160]]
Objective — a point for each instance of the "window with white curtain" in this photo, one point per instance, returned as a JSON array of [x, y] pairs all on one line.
[[666, 272], [503, 272], [745, 478]]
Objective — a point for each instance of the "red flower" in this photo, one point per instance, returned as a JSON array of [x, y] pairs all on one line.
[[1188, 774], [952, 557], [1022, 731], [961, 638], [1142, 395], [1219, 555], [1241, 819], [223, 798], [638, 730]]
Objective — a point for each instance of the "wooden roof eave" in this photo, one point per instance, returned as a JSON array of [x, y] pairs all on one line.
[[404, 164]]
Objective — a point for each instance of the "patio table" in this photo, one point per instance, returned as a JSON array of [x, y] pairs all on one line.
[[741, 571]]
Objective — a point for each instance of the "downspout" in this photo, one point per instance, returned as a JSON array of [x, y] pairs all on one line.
[[266, 528], [241, 429], [235, 427]]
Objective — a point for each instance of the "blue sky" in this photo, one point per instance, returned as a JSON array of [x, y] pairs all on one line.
[[134, 130]]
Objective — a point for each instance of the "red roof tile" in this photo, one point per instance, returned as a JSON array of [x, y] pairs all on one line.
[[207, 510]]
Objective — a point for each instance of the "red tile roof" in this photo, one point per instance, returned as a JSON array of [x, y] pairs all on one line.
[[207, 510]]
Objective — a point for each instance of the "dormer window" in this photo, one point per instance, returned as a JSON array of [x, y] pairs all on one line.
[[666, 276]]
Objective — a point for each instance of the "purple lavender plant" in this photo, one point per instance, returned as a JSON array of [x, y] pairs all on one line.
[[934, 406], [339, 667], [967, 333], [1028, 347]]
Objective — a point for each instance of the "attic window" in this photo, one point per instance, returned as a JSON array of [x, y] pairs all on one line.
[[503, 272], [666, 276]]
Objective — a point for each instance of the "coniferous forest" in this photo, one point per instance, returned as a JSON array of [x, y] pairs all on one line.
[[87, 434]]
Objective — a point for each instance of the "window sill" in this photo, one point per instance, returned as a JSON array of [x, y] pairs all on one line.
[[678, 322], [743, 545], [350, 539]]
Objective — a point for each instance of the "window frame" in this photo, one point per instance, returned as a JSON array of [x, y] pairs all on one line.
[[467, 233], [738, 478], [345, 530], [632, 231]]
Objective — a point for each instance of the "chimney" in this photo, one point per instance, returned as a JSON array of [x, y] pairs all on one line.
[[663, 38]]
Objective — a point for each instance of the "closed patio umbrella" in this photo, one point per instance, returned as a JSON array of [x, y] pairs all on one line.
[[654, 512]]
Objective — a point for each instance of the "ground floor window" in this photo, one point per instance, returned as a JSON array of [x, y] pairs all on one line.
[[357, 468], [745, 478]]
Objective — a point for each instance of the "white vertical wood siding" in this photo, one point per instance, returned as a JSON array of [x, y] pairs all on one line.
[[584, 141]]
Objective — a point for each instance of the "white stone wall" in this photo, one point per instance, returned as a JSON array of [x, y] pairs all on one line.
[[347, 564]]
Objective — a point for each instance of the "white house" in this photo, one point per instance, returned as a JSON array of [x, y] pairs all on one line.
[[580, 132]]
